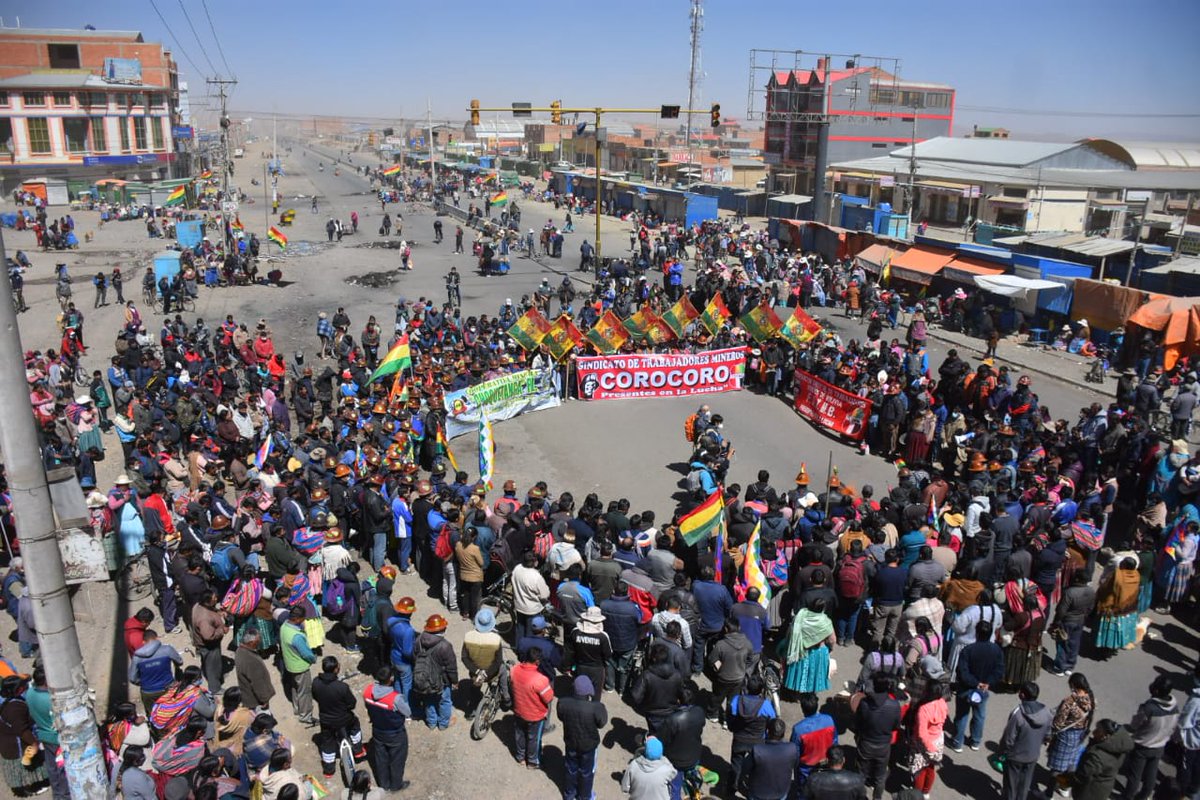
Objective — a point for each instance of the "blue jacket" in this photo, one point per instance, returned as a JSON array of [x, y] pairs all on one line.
[[400, 631], [622, 622], [714, 602], [910, 545], [152, 668]]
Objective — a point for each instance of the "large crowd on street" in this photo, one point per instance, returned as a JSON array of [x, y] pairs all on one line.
[[282, 502]]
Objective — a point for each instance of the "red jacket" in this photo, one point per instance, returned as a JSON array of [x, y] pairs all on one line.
[[531, 692], [135, 635]]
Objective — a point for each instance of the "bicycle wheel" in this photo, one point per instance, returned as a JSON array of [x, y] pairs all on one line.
[[133, 582], [346, 761], [484, 714]]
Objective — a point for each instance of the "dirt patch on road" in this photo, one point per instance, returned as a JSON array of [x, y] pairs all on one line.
[[374, 280]]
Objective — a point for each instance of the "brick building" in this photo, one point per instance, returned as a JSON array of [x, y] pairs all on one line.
[[79, 105]]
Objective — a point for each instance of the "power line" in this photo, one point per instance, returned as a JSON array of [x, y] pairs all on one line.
[[203, 51], [213, 28], [1100, 114], [175, 39]]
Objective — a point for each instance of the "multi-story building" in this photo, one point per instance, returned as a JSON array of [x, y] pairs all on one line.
[[79, 105], [869, 112]]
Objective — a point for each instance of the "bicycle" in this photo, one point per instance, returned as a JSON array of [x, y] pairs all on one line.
[[133, 579], [489, 702], [498, 595], [345, 757], [149, 295]]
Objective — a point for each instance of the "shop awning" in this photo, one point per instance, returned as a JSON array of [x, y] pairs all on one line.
[[873, 257], [944, 186], [918, 265], [963, 270], [1014, 285], [1014, 202]]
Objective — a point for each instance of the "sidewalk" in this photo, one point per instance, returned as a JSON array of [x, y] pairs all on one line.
[[1057, 364]]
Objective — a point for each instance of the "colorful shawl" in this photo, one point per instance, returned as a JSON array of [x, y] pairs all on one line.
[[809, 629], [174, 708]]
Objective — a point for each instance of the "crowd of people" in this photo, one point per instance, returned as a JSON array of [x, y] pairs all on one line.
[[280, 505]]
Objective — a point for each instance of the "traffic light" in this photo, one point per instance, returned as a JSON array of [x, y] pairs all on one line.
[[474, 112], [716, 115], [555, 114]]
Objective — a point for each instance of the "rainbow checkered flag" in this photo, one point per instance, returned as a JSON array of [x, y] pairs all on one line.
[[752, 571], [487, 452]]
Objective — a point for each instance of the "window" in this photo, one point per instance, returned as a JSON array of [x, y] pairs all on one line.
[[6, 135], [912, 99], [157, 100], [39, 135], [879, 145], [1008, 191], [139, 132], [156, 131], [882, 97], [937, 100], [97, 99], [137, 99], [75, 130], [3, 99], [64, 56], [33, 98], [121, 99], [123, 126], [99, 136], [62, 98]]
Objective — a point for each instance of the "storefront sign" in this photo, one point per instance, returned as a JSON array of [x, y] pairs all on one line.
[[660, 375], [102, 161], [831, 407], [501, 398]]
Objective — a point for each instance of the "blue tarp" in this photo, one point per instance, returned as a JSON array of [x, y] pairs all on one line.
[[700, 208], [188, 233], [1052, 269], [166, 265]]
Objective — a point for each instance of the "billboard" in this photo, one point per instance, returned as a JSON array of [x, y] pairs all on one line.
[[123, 70]]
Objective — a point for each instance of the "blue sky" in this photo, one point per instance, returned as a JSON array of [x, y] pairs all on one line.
[[383, 59]]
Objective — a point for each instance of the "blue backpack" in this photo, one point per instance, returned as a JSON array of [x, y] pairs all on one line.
[[222, 562]]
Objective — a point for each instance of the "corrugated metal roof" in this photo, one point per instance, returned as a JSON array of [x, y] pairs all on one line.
[[1081, 244], [70, 33], [1189, 266], [791, 198], [995, 152], [1155, 155]]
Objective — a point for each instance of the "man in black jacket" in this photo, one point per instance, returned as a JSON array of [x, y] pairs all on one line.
[[771, 767], [657, 688], [582, 718], [623, 624], [979, 666], [835, 782], [680, 732], [875, 720], [335, 702], [1073, 609]]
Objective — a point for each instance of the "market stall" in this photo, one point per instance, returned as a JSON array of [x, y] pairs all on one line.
[[1179, 320]]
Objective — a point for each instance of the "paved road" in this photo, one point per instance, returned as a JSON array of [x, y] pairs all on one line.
[[617, 448]]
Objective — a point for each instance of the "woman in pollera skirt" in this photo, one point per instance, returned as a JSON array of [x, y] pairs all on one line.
[[1116, 606], [806, 649], [1071, 723]]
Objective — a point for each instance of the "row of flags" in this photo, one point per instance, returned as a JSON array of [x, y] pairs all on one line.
[[610, 332]]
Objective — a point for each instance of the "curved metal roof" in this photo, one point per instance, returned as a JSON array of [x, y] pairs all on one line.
[[1150, 155]]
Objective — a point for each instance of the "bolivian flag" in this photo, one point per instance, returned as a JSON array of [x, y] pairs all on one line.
[[276, 236], [705, 520], [177, 197], [529, 330], [562, 337], [500, 199], [205, 175], [715, 314], [761, 322], [799, 328], [398, 358], [608, 334], [390, 171], [237, 225], [679, 316]]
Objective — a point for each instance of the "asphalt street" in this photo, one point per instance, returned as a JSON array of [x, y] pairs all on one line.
[[632, 449]]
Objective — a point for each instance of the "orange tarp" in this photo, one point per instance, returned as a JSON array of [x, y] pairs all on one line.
[[1179, 320], [918, 265]]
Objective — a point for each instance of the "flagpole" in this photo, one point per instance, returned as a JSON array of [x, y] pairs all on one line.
[[828, 481]]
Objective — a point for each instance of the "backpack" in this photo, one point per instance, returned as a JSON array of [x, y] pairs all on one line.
[[543, 540], [693, 481], [334, 600], [426, 679], [443, 548], [852, 577], [689, 428], [222, 563]]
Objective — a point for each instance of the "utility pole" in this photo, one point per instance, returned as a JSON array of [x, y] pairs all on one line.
[[432, 153], [74, 719], [221, 83], [1183, 225], [697, 14], [912, 169]]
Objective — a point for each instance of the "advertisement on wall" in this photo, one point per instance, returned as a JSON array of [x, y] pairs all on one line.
[[830, 407], [660, 374]]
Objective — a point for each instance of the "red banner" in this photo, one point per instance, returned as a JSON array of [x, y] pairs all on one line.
[[660, 374], [830, 407]]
